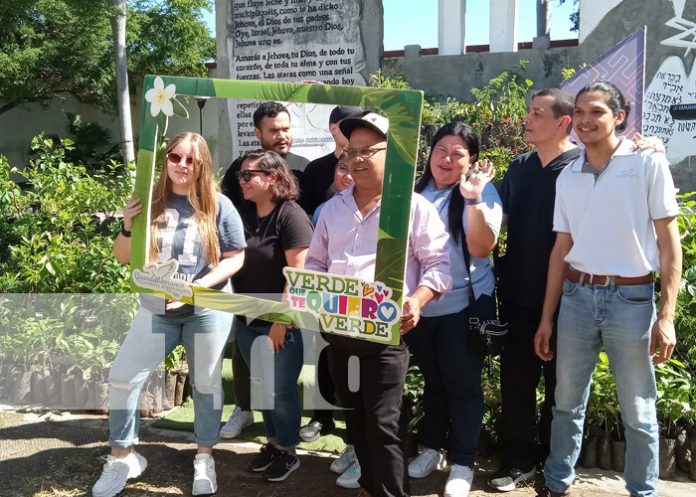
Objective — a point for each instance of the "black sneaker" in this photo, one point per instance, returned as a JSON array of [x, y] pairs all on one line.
[[508, 479], [263, 459], [547, 492], [283, 464]]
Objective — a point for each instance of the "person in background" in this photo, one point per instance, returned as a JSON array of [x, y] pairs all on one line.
[[323, 178], [201, 230], [321, 181], [346, 464], [319, 174], [278, 233], [272, 130], [615, 219], [341, 181], [443, 346]]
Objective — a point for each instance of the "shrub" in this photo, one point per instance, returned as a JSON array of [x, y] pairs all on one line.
[[59, 224], [496, 115]]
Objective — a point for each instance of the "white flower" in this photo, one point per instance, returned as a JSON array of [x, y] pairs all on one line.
[[160, 98]]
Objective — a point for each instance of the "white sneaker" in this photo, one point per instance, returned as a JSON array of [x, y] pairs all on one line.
[[427, 461], [459, 481], [204, 477], [350, 477], [116, 472], [343, 462], [237, 422]]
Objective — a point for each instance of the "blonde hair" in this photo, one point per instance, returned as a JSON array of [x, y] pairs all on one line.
[[202, 197]]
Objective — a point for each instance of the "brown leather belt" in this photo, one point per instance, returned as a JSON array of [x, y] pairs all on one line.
[[605, 280]]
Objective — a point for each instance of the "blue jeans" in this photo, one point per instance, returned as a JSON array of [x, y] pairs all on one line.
[[620, 319], [150, 339], [274, 380], [453, 397]]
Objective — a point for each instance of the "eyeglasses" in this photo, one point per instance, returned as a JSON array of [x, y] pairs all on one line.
[[247, 174], [343, 170], [176, 158], [364, 152]]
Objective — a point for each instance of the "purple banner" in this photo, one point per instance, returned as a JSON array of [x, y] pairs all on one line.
[[623, 65]]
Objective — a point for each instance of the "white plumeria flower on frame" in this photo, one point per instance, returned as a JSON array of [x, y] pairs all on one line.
[[160, 98]]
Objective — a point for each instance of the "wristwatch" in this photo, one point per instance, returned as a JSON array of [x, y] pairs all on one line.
[[124, 231], [473, 201]]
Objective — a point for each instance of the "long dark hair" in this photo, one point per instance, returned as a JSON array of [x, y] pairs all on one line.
[[614, 99], [456, 204]]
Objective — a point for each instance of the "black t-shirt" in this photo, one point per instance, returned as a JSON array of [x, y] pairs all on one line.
[[286, 227], [528, 192], [318, 178], [230, 183]]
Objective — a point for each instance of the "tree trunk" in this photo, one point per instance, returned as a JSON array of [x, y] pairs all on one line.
[[544, 9], [118, 26]]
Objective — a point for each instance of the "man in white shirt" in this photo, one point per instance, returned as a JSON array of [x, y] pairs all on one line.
[[615, 218]]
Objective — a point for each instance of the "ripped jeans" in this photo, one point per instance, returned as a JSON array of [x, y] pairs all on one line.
[[150, 339]]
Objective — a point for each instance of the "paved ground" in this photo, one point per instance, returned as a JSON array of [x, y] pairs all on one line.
[[58, 455]]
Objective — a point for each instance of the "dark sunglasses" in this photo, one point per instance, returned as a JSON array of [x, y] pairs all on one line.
[[247, 174], [176, 158]]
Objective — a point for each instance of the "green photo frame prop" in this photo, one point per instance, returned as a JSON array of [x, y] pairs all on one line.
[[403, 109]]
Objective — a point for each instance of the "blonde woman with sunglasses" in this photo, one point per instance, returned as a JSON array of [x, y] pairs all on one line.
[[198, 227]]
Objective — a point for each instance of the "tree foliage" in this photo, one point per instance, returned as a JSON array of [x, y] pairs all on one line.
[[575, 15], [50, 48]]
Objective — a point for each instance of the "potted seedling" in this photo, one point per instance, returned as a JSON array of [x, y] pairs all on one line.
[[492, 418], [413, 409], [173, 364], [674, 386], [602, 412]]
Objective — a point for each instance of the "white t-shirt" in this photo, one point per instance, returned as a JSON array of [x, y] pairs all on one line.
[[610, 218]]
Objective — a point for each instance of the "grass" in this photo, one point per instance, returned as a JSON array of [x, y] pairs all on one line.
[[182, 418]]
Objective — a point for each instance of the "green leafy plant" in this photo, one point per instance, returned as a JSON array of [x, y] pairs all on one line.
[[675, 386], [93, 146], [603, 410], [495, 114], [392, 82], [413, 397], [176, 360], [60, 224], [685, 317]]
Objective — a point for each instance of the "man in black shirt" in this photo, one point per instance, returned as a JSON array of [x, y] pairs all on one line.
[[319, 174], [272, 129], [528, 193]]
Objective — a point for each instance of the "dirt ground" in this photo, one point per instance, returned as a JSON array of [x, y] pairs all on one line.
[[58, 455]]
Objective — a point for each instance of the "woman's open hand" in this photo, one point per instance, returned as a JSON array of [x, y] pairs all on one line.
[[476, 178]]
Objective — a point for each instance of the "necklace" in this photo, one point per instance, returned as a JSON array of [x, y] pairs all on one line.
[[260, 223]]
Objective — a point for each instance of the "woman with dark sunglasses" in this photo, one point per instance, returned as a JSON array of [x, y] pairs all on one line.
[[278, 233], [197, 228]]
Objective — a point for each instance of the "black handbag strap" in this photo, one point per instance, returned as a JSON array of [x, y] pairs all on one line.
[[467, 263]]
